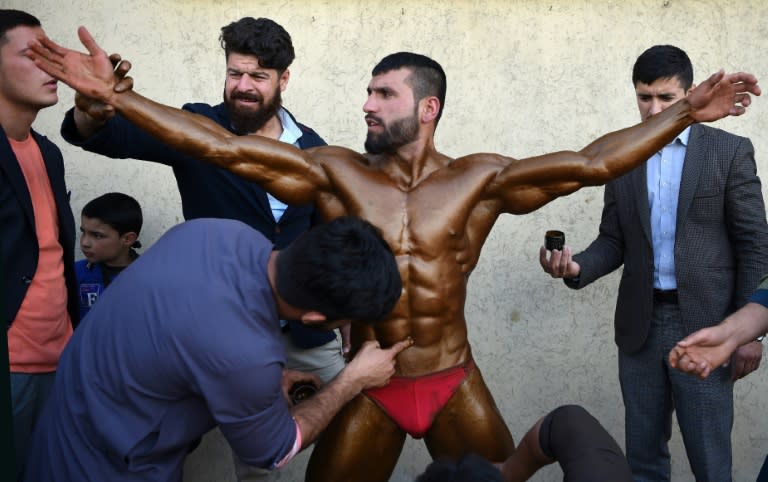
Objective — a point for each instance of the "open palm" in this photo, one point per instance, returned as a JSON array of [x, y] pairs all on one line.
[[90, 74]]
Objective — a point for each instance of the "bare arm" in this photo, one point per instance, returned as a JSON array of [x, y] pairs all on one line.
[[705, 350], [282, 169], [371, 367], [528, 184], [527, 459], [289, 173]]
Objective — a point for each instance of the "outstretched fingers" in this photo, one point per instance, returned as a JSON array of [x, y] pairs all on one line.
[[45, 58], [714, 79], [89, 42], [746, 81], [743, 84], [51, 46]]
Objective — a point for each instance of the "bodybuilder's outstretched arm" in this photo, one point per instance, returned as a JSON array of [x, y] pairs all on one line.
[[544, 178], [289, 173]]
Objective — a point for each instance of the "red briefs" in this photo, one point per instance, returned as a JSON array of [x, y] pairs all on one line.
[[414, 402]]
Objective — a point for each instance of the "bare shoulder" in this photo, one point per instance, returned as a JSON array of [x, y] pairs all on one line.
[[484, 161], [336, 155]]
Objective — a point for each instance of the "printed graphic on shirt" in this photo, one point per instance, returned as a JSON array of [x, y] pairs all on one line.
[[89, 293]]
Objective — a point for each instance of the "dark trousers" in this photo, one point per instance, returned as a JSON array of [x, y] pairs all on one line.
[[652, 390]]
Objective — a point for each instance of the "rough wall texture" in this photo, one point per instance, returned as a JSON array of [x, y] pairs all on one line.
[[525, 78]]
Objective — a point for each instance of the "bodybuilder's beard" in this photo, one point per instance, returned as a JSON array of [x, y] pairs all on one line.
[[249, 120], [395, 135]]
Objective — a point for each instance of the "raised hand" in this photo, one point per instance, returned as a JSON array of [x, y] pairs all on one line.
[[100, 111], [90, 74], [722, 95]]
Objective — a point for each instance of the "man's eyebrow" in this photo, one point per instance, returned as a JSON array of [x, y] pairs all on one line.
[[380, 90], [252, 73]]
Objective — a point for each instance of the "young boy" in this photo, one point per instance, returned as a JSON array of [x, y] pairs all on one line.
[[109, 227]]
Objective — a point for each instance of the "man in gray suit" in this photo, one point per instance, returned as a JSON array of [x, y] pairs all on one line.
[[689, 228]]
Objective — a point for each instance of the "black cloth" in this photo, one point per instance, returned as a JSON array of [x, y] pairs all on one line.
[[208, 191], [584, 449]]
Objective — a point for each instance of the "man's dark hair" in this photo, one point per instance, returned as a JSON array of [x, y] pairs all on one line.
[[427, 79], [663, 62], [343, 269], [118, 210], [260, 37], [471, 468], [10, 19]]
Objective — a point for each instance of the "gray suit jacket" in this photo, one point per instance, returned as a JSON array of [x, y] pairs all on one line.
[[721, 241]]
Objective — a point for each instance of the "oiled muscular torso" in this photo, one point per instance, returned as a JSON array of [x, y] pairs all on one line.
[[435, 222]]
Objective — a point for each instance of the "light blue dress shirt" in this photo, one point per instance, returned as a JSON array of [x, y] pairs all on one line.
[[664, 170]]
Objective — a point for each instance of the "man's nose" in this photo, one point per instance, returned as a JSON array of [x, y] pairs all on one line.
[[370, 105], [244, 83], [656, 107]]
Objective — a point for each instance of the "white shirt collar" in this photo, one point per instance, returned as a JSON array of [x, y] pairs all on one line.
[[291, 131]]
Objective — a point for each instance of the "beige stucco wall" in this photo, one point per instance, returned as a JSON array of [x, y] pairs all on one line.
[[525, 78]]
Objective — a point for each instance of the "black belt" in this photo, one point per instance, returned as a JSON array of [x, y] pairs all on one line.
[[665, 296]]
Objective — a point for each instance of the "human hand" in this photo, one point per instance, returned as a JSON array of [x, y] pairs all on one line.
[[746, 359], [90, 74], [560, 264], [374, 366], [100, 111], [722, 95], [703, 351]]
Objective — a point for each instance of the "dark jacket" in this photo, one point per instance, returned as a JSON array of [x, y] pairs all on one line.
[[208, 191], [721, 238], [18, 240]]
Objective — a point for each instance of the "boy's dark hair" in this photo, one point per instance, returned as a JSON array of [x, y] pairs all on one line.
[[663, 62], [471, 468], [427, 79], [343, 269], [10, 19], [260, 37], [118, 210]]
